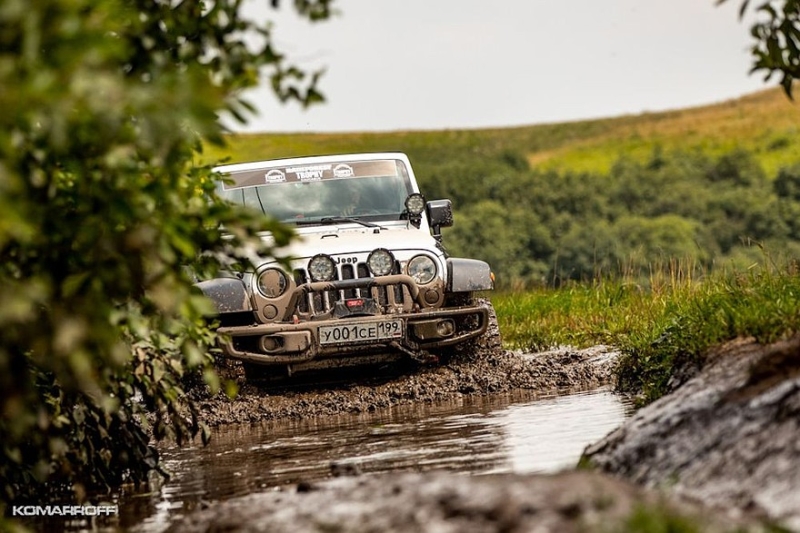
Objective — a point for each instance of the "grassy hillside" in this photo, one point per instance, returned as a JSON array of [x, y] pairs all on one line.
[[765, 124], [711, 186]]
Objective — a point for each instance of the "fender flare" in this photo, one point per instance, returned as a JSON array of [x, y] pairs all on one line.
[[468, 275], [228, 294]]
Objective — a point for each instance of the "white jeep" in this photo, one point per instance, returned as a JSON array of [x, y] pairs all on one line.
[[370, 281]]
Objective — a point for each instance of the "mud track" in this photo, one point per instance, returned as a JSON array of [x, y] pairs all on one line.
[[719, 453], [482, 368]]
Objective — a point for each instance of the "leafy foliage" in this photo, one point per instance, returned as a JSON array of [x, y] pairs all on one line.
[[544, 227], [776, 35], [105, 103]]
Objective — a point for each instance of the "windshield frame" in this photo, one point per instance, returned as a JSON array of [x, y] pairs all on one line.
[[318, 192]]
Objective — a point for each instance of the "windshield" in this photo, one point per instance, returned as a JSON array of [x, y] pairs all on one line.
[[367, 190]]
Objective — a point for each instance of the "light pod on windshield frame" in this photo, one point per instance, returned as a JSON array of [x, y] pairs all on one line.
[[415, 203], [380, 262], [321, 268]]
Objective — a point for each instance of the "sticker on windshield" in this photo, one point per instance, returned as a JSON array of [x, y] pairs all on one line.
[[343, 171], [275, 176], [310, 173]]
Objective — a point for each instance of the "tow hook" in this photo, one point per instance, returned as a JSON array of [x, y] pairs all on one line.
[[422, 356]]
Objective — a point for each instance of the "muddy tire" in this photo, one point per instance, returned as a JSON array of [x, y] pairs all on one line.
[[261, 375], [229, 369], [489, 342]]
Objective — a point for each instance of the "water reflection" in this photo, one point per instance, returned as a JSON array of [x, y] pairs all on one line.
[[510, 433]]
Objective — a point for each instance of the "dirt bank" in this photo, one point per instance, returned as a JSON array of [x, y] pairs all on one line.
[[728, 437], [444, 503]]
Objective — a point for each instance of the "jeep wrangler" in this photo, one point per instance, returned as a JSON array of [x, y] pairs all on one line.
[[370, 281]]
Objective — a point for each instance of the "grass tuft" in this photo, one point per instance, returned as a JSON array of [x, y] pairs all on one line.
[[668, 323]]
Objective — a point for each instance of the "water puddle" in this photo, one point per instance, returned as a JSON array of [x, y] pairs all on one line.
[[510, 433]]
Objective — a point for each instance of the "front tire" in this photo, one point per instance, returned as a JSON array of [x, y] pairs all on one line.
[[255, 374], [488, 342]]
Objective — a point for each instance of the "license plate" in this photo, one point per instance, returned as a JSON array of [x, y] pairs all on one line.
[[364, 332]]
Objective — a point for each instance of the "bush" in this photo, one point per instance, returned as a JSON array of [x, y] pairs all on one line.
[[105, 102]]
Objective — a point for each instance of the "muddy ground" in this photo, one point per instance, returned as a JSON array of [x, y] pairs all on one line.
[[719, 453], [483, 369]]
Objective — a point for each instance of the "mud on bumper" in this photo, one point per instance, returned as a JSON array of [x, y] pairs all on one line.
[[413, 335]]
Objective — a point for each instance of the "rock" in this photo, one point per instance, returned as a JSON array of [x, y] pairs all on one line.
[[445, 503], [728, 437]]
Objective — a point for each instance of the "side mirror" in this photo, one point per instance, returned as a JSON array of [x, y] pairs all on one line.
[[440, 215]]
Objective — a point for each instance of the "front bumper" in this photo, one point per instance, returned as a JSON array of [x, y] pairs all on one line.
[[291, 343]]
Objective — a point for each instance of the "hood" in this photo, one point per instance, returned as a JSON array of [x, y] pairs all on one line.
[[358, 241]]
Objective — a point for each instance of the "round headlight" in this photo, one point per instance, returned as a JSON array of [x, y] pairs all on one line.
[[415, 203], [422, 268], [380, 262], [272, 283], [321, 268]]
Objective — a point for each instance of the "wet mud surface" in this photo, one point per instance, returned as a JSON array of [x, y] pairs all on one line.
[[483, 369], [513, 433], [719, 453]]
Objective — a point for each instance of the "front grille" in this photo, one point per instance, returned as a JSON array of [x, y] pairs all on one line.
[[317, 303]]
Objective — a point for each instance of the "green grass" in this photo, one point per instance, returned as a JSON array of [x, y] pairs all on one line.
[[599, 312], [671, 322], [656, 518], [661, 517]]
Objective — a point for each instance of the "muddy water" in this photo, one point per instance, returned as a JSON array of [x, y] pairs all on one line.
[[509, 433]]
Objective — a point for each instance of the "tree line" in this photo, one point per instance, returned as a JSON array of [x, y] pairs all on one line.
[[547, 227]]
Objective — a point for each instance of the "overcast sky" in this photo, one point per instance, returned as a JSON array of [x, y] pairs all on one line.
[[447, 64]]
